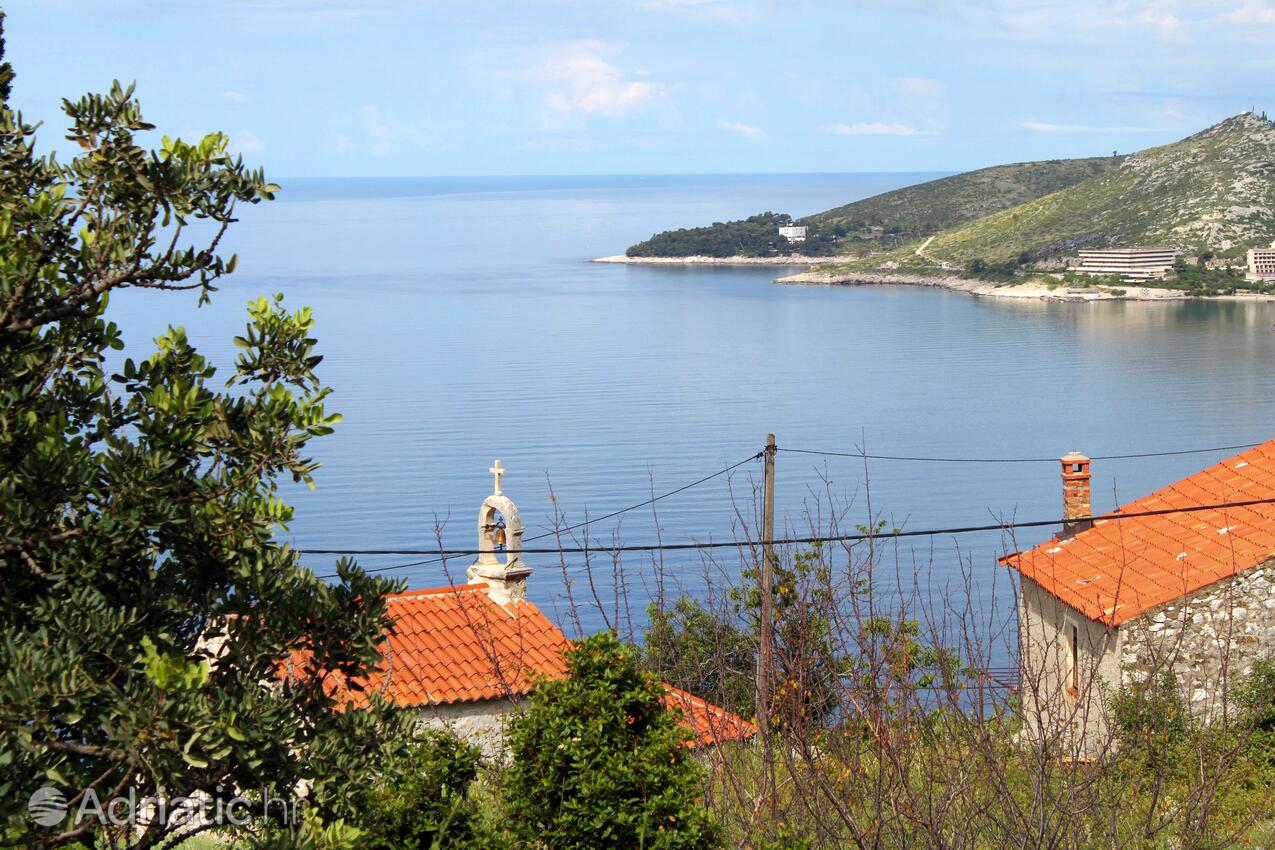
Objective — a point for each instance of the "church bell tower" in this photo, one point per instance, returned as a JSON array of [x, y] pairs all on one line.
[[500, 534]]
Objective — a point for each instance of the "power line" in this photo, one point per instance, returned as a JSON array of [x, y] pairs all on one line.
[[836, 538], [551, 533], [649, 501], [445, 553], [863, 455]]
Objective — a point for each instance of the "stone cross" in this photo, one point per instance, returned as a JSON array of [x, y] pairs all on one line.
[[497, 470]]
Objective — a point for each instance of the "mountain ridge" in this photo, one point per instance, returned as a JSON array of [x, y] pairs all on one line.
[[883, 221], [1212, 192]]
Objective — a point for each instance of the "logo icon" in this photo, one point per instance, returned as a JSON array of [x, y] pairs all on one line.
[[47, 806]]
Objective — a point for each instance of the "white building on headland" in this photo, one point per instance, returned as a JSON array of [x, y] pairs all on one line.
[[1142, 262], [793, 232], [1261, 263]]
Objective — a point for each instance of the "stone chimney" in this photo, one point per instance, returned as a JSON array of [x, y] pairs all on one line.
[[1075, 482]]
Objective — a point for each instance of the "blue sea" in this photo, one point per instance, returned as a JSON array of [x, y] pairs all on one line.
[[461, 321]]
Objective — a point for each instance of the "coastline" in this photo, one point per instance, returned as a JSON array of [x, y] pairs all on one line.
[[1034, 289], [814, 276], [791, 260]]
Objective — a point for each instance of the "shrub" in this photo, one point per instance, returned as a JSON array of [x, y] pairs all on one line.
[[598, 762], [423, 800], [1257, 696], [704, 652], [1150, 717]]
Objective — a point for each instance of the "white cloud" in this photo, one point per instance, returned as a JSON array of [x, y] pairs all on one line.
[[1110, 23], [1167, 24], [1048, 127], [233, 96], [584, 81], [877, 128], [751, 131], [1252, 12]]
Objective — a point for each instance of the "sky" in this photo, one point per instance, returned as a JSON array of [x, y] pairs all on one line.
[[312, 88]]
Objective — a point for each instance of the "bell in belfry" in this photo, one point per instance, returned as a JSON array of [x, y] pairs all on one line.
[[500, 533]]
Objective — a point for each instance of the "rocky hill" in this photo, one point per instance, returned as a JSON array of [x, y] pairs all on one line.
[[883, 221], [916, 212], [1213, 192]]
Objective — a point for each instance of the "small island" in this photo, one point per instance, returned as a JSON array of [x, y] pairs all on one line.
[[1200, 213]]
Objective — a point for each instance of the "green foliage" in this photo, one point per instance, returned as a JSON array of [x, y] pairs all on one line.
[[981, 269], [883, 221], [713, 654], [807, 661], [893, 658], [787, 837], [145, 607], [755, 236], [1198, 279], [917, 212], [1151, 718], [6, 70], [313, 833], [598, 762], [1257, 696], [423, 798], [706, 653]]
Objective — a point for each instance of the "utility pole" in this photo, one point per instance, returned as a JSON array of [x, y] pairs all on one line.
[[765, 660]]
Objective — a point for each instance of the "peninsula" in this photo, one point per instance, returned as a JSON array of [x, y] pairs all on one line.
[[1024, 230]]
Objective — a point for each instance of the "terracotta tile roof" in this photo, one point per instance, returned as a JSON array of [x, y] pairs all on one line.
[[456, 644], [711, 725], [1119, 569]]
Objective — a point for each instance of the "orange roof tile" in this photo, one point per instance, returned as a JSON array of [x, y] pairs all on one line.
[[456, 644], [1118, 569], [710, 724]]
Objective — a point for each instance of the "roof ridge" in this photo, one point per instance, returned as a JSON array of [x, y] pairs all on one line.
[[468, 587]]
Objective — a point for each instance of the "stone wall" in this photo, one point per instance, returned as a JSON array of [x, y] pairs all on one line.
[[1208, 640], [481, 723]]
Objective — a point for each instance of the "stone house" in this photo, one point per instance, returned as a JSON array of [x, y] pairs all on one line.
[[463, 657], [1182, 586]]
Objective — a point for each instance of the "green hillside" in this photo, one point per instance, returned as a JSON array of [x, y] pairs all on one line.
[[1213, 192], [883, 221], [915, 212]]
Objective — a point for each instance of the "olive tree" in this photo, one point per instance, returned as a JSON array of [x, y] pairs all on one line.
[[155, 639]]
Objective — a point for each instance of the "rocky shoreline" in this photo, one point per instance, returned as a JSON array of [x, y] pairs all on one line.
[[792, 260], [1032, 289], [860, 278]]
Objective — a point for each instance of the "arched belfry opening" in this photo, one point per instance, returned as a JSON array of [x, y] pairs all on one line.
[[500, 565]]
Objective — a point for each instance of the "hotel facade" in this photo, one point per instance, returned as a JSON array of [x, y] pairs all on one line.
[[1137, 263], [1261, 263]]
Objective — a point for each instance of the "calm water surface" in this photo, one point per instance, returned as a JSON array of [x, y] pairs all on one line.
[[461, 322]]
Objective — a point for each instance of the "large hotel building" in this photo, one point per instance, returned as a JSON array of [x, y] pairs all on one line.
[[1140, 263], [1261, 263]]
